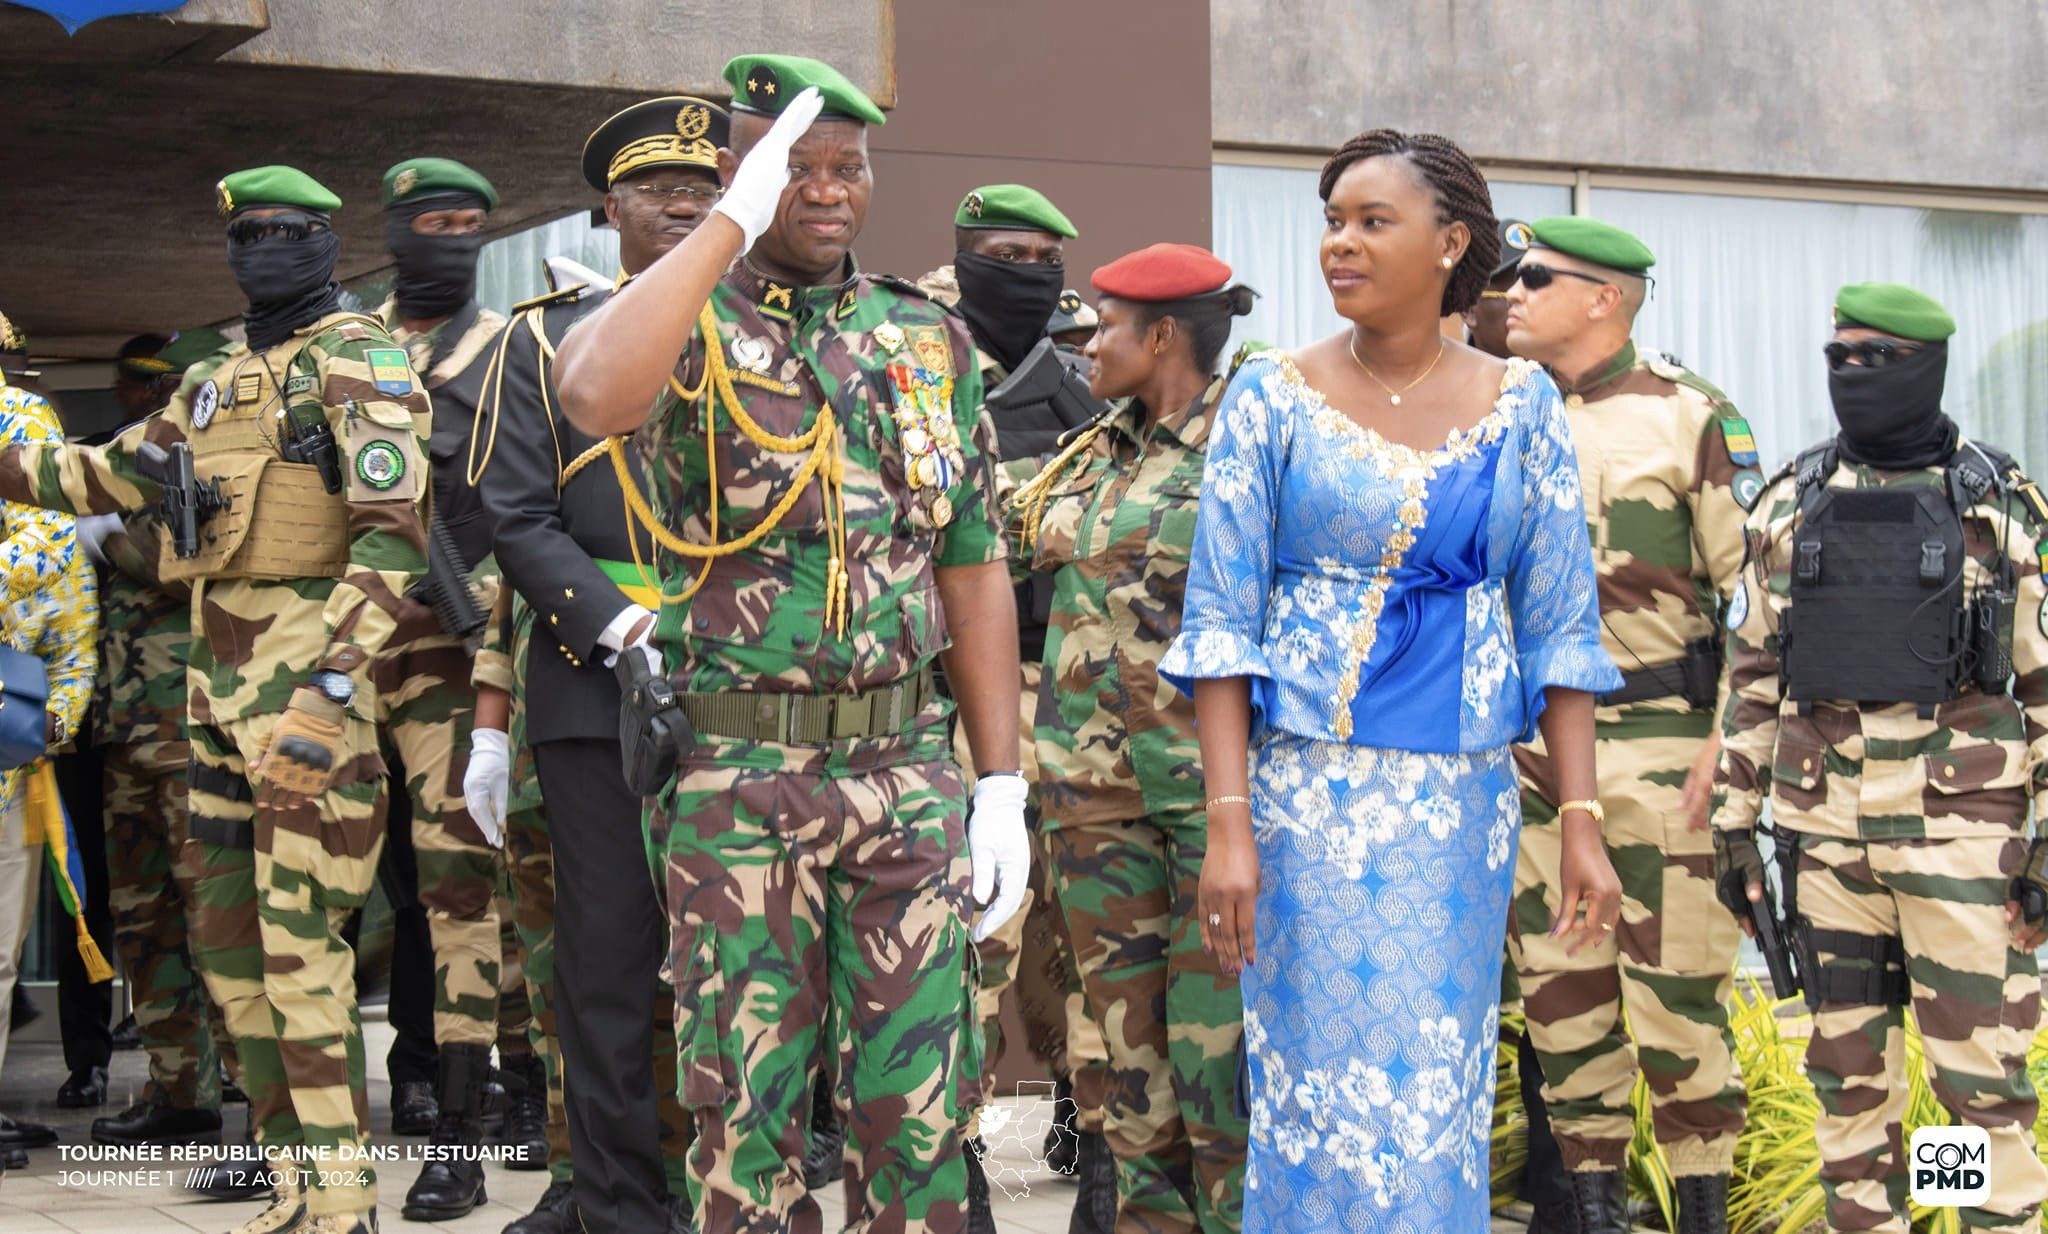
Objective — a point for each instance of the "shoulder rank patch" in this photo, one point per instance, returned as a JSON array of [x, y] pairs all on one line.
[[388, 370], [248, 387], [846, 305], [1664, 367], [205, 401], [1741, 443], [1748, 485], [353, 331], [566, 295], [2030, 492]]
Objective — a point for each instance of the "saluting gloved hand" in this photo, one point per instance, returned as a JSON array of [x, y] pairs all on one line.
[[299, 762], [2026, 908], [487, 782], [999, 845], [1738, 874], [757, 186]]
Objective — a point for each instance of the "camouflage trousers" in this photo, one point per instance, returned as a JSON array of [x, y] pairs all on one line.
[[515, 1004], [1173, 1022], [426, 706], [1668, 969], [819, 894], [1976, 999], [150, 886], [272, 892]]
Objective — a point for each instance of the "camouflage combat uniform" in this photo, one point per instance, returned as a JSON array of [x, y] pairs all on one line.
[[427, 705], [1906, 829], [1031, 950], [816, 864], [1123, 798], [1661, 453], [139, 726], [276, 884]]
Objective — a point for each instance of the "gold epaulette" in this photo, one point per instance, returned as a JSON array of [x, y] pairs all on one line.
[[564, 295]]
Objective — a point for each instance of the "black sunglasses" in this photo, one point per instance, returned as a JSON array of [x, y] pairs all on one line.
[[1536, 276], [247, 231], [1870, 352]]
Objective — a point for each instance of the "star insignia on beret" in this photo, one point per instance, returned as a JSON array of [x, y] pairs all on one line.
[[753, 84], [769, 88], [1070, 302], [693, 122], [405, 182], [223, 200], [974, 205]]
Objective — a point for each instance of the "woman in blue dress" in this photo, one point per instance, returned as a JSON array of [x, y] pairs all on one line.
[[1391, 583]]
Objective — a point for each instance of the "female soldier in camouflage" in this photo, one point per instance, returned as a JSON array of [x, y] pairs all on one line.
[[1114, 515]]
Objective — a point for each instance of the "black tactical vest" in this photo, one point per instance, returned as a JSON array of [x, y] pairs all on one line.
[[1879, 611]]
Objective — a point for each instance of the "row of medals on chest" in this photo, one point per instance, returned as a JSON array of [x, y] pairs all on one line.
[[922, 407]]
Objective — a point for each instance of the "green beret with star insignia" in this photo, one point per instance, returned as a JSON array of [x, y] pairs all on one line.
[[1603, 244], [1012, 206], [764, 84], [1894, 308], [275, 185], [431, 177]]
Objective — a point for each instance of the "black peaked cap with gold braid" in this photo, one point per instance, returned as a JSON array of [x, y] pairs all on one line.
[[676, 131]]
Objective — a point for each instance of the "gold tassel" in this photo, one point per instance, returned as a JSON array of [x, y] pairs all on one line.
[[96, 967]]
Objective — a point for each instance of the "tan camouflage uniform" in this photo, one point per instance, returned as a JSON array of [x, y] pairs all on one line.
[[1659, 452], [1910, 828], [428, 705], [286, 586]]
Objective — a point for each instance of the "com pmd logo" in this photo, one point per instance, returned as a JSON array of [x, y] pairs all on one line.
[[1951, 1166]]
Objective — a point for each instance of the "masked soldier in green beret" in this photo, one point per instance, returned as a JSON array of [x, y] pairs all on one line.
[[585, 578], [1888, 657], [822, 473], [1669, 466], [291, 475], [434, 213]]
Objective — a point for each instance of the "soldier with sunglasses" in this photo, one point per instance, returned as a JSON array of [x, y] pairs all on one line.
[[1669, 467], [291, 469], [1888, 666]]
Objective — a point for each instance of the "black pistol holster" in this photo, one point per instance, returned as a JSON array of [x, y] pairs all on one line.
[[653, 731]]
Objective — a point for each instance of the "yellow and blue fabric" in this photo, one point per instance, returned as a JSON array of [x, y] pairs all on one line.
[[47, 824]]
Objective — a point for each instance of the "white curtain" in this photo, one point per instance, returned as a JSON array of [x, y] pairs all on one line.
[[1746, 285], [1269, 226], [508, 270]]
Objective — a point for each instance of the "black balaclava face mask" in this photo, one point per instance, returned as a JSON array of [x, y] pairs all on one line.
[[1891, 417], [289, 283], [1007, 303], [436, 274]]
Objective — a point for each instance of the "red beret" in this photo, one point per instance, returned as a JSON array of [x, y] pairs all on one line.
[[1162, 272]]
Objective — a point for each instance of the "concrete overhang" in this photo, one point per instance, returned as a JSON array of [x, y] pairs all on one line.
[[116, 136]]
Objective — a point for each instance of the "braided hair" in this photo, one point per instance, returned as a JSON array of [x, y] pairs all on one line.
[[1461, 197]]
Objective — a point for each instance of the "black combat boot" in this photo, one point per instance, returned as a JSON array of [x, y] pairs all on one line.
[[825, 1160], [1062, 1149], [1601, 1198], [154, 1120], [526, 1115], [447, 1189], [1703, 1204], [554, 1214], [981, 1218], [1095, 1207], [413, 1108]]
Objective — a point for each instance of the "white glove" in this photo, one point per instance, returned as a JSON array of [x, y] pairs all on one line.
[[999, 845], [757, 186], [488, 781], [93, 530], [614, 637]]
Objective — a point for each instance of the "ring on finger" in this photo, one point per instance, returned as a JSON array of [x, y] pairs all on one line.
[[1215, 919]]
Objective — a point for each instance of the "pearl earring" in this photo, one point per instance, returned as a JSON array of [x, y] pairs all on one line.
[[1448, 263]]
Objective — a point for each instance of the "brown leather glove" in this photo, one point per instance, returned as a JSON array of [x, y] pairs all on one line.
[[300, 760]]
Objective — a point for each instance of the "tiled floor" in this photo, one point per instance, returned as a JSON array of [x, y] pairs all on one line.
[[41, 1200]]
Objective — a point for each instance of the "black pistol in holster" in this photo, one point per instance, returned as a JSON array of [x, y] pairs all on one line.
[[1772, 933], [1049, 377], [653, 731], [308, 438], [446, 589], [1701, 670], [187, 501]]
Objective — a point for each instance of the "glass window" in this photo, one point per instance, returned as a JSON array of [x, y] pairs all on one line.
[[508, 270], [1746, 285], [1269, 225]]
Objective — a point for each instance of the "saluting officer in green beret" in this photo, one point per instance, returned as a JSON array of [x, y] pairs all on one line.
[[1668, 465], [822, 475], [434, 213], [1888, 658], [302, 530]]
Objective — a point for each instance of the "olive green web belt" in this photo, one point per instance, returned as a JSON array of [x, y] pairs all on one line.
[[810, 719]]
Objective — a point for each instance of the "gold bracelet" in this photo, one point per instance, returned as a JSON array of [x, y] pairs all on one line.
[[1590, 805], [1233, 799]]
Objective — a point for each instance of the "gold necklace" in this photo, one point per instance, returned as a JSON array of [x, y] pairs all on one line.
[[1392, 393]]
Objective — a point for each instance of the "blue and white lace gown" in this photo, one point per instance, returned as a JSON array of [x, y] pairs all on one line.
[[1399, 613]]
